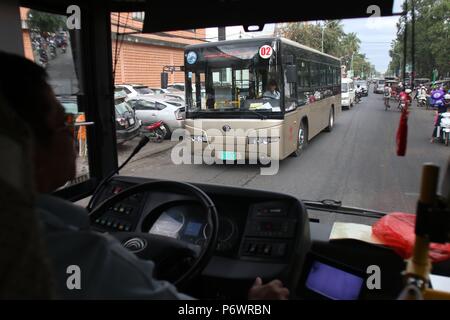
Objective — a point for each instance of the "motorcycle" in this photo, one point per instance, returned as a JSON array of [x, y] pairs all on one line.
[[43, 58], [358, 96], [52, 48], [445, 128], [422, 101], [156, 132]]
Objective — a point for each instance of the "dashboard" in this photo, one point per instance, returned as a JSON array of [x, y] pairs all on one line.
[[257, 228], [261, 234]]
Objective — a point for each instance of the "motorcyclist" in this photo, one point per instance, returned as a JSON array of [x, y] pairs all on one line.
[[358, 93], [387, 95], [442, 108], [421, 94], [404, 96]]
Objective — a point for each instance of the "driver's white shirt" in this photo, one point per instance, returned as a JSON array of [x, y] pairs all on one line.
[[108, 270], [269, 94]]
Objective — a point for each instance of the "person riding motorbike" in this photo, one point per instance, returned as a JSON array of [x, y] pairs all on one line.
[[422, 96], [403, 98], [358, 93], [387, 95], [442, 108]]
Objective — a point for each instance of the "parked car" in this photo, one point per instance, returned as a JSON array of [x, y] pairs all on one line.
[[347, 93], [133, 90], [127, 124], [150, 110], [379, 86], [176, 86], [159, 90]]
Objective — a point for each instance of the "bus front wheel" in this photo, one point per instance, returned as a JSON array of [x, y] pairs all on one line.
[[302, 139]]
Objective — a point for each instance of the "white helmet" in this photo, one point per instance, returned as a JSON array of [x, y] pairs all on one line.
[[447, 96], [408, 91]]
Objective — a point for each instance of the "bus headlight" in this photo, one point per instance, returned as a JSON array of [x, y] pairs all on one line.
[[199, 139], [262, 140]]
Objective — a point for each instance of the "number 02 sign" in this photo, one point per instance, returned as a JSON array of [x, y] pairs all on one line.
[[265, 51]]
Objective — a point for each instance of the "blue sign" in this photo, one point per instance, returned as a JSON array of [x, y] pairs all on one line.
[[191, 57]]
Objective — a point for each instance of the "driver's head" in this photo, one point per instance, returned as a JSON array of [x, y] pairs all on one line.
[[24, 87], [272, 85]]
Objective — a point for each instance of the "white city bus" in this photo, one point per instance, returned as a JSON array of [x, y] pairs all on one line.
[[236, 75]]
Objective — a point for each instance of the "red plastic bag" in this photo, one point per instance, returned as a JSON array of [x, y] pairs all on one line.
[[396, 230]]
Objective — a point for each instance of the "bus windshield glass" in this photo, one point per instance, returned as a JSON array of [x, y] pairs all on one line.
[[236, 78]]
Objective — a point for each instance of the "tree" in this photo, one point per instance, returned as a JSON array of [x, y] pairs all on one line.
[[335, 42], [42, 22], [432, 42]]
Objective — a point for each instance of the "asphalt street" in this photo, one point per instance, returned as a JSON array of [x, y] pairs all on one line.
[[355, 163]]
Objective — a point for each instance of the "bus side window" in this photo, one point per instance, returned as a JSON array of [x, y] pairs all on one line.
[[303, 82]]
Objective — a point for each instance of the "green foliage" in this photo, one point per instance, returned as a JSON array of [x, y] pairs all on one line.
[[432, 42], [44, 22], [335, 42]]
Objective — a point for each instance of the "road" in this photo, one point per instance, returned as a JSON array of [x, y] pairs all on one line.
[[355, 163]]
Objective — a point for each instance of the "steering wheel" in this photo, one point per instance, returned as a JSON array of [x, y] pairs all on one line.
[[175, 260]]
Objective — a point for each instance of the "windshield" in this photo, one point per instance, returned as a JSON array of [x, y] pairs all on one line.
[[233, 78], [123, 107], [143, 90], [328, 145]]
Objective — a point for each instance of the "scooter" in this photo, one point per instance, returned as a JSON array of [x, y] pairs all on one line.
[[445, 127], [156, 132]]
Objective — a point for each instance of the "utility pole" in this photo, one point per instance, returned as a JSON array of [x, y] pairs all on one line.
[[323, 29], [222, 33], [405, 39], [413, 43]]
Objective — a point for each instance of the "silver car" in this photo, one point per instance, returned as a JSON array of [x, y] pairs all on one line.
[[150, 110]]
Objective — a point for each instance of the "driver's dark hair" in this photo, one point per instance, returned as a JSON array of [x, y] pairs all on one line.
[[24, 87], [272, 82]]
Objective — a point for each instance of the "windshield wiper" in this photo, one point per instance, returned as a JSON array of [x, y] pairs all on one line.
[[337, 207], [262, 116]]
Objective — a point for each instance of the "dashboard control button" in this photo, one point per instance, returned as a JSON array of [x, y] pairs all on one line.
[[121, 227], [115, 225], [109, 223], [267, 249]]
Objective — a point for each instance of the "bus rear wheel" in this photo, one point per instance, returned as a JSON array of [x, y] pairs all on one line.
[[302, 139], [330, 121]]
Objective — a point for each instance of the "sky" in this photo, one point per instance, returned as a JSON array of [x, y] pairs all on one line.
[[376, 35]]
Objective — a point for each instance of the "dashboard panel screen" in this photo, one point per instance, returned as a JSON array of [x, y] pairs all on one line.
[[333, 283], [193, 229]]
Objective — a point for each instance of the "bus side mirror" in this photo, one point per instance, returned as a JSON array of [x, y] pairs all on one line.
[[291, 73], [164, 80]]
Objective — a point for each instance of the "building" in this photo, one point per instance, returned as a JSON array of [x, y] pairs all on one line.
[[139, 58]]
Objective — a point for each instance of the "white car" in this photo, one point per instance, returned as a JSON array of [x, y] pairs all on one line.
[[134, 90], [347, 92], [150, 110]]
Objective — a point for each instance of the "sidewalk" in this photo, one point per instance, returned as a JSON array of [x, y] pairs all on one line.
[[124, 150]]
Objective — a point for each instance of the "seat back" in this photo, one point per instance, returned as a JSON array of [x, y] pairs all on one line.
[[24, 265]]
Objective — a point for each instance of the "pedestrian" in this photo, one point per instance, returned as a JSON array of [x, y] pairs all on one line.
[[82, 145]]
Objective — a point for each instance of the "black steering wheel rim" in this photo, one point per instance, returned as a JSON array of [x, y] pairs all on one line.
[[178, 187]]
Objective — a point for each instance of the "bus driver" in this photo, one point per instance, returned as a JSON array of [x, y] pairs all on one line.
[[110, 270], [272, 90]]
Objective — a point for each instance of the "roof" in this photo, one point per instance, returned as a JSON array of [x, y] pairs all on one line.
[[258, 40]]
